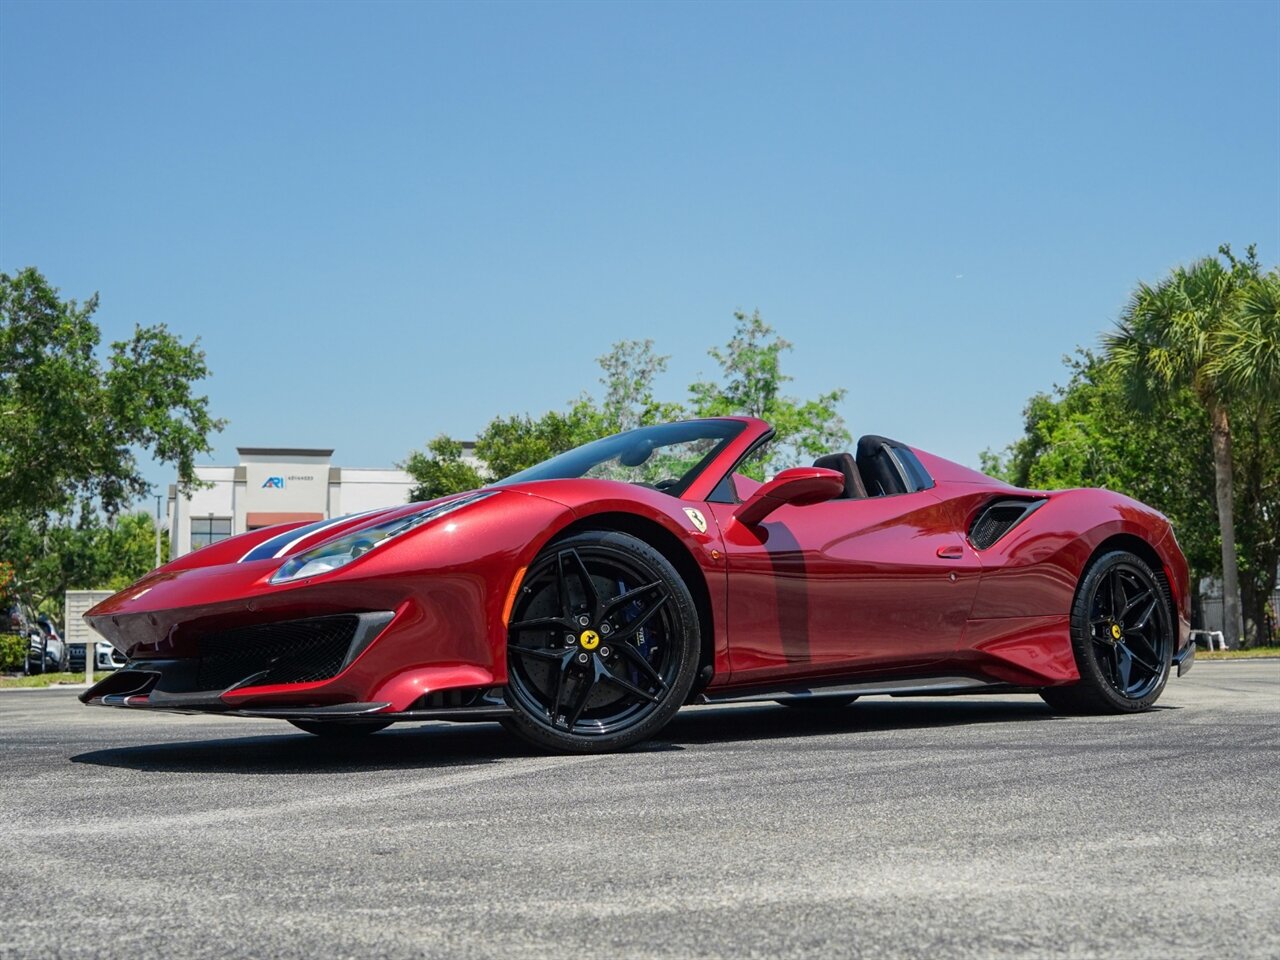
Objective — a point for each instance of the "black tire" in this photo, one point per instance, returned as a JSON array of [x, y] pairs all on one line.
[[819, 702], [603, 645], [1122, 633], [341, 729]]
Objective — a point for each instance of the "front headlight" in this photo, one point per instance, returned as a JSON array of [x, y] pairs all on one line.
[[340, 552]]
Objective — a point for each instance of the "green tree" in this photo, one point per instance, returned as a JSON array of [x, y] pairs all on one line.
[[1084, 434], [90, 553], [507, 445], [751, 385], [440, 470], [630, 368], [1167, 340], [511, 444], [1257, 500], [1248, 363], [70, 425], [1247, 345]]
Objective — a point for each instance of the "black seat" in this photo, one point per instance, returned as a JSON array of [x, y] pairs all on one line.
[[844, 462]]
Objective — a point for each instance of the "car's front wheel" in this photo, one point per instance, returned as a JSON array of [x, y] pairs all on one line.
[[602, 647], [1122, 632]]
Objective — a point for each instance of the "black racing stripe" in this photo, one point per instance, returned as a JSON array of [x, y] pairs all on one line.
[[267, 549]]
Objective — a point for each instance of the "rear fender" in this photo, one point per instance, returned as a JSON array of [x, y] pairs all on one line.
[[1035, 568]]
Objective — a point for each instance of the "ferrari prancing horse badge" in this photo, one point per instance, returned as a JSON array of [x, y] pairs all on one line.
[[698, 519]]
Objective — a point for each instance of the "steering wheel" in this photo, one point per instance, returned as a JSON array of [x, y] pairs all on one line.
[[663, 485]]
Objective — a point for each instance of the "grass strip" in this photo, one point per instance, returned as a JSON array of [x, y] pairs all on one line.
[[1251, 653], [44, 680]]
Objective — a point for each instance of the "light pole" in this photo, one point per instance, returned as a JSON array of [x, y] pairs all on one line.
[[157, 530]]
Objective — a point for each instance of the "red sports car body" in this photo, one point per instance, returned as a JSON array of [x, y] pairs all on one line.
[[583, 601]]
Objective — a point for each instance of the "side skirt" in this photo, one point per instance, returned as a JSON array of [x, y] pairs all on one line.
[[914, 687]]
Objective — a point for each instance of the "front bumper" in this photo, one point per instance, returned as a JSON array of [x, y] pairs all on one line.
[[475, 705], [268, 670], [285, 653]]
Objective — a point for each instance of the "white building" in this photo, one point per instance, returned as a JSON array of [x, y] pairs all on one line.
[[279, 485]]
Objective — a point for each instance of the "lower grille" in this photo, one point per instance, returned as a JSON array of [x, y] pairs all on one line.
[[294, 651]]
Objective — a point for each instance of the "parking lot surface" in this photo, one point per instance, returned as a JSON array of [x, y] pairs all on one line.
[[962, 827]]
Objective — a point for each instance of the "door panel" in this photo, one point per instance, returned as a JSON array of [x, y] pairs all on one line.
[[847, 586]]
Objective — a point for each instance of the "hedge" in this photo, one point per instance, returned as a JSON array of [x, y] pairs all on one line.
[[13, 651]]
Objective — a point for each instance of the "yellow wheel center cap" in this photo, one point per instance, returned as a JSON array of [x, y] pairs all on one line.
[[1116, 632], [589, 639]]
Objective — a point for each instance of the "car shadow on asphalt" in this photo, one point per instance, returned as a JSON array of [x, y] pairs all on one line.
[[769, 721], [772, 721], [408, 747], [436, 745]]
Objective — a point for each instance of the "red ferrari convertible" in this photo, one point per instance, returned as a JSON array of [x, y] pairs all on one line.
[[583, 601]]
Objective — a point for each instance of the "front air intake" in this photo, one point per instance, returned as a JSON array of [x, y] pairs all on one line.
[[998, 518], [294, 651]]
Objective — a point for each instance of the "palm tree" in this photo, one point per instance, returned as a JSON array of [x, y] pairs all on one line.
[[1168, 337], [1248, 345], [1248, 363]]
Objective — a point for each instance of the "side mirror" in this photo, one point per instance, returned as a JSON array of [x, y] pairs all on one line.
[[798, 486]]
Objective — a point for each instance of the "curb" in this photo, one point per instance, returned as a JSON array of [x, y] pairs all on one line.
[[50, 689]]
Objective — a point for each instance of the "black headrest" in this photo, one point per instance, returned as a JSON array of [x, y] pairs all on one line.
[[871, 444], [877, 469], [844, 462]]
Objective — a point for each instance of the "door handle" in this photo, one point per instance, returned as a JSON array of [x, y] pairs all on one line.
[[952, 551]]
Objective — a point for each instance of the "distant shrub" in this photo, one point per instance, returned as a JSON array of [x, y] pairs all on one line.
[[13, 651]]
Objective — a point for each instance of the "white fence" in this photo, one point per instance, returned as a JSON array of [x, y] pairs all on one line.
[[1210, 613], [79, 632]]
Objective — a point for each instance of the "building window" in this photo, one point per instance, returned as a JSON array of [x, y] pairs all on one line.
[[207, 530]]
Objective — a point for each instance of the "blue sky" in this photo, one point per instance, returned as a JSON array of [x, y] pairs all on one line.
[[387, 221]]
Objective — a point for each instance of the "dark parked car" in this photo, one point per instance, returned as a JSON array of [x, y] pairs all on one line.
[[46, 650]]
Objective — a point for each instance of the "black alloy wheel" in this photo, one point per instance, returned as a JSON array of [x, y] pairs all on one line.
[[1122, 632], [603, 645], [341, 729]]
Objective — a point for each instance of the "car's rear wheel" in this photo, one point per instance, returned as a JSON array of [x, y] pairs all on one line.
[[602, 647], [819, 702], [341, 729], [1122, 632]]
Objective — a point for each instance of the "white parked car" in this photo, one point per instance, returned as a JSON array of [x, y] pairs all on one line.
[[105, 657]]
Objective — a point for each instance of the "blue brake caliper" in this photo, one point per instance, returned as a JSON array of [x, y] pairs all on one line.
[[643, 643]]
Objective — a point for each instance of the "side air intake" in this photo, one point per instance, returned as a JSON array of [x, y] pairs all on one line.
[[998, 518]]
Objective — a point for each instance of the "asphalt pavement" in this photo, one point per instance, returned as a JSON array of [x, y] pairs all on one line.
[[961, 827]]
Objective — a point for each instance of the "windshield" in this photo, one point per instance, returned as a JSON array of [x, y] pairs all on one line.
[[667, 457]]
